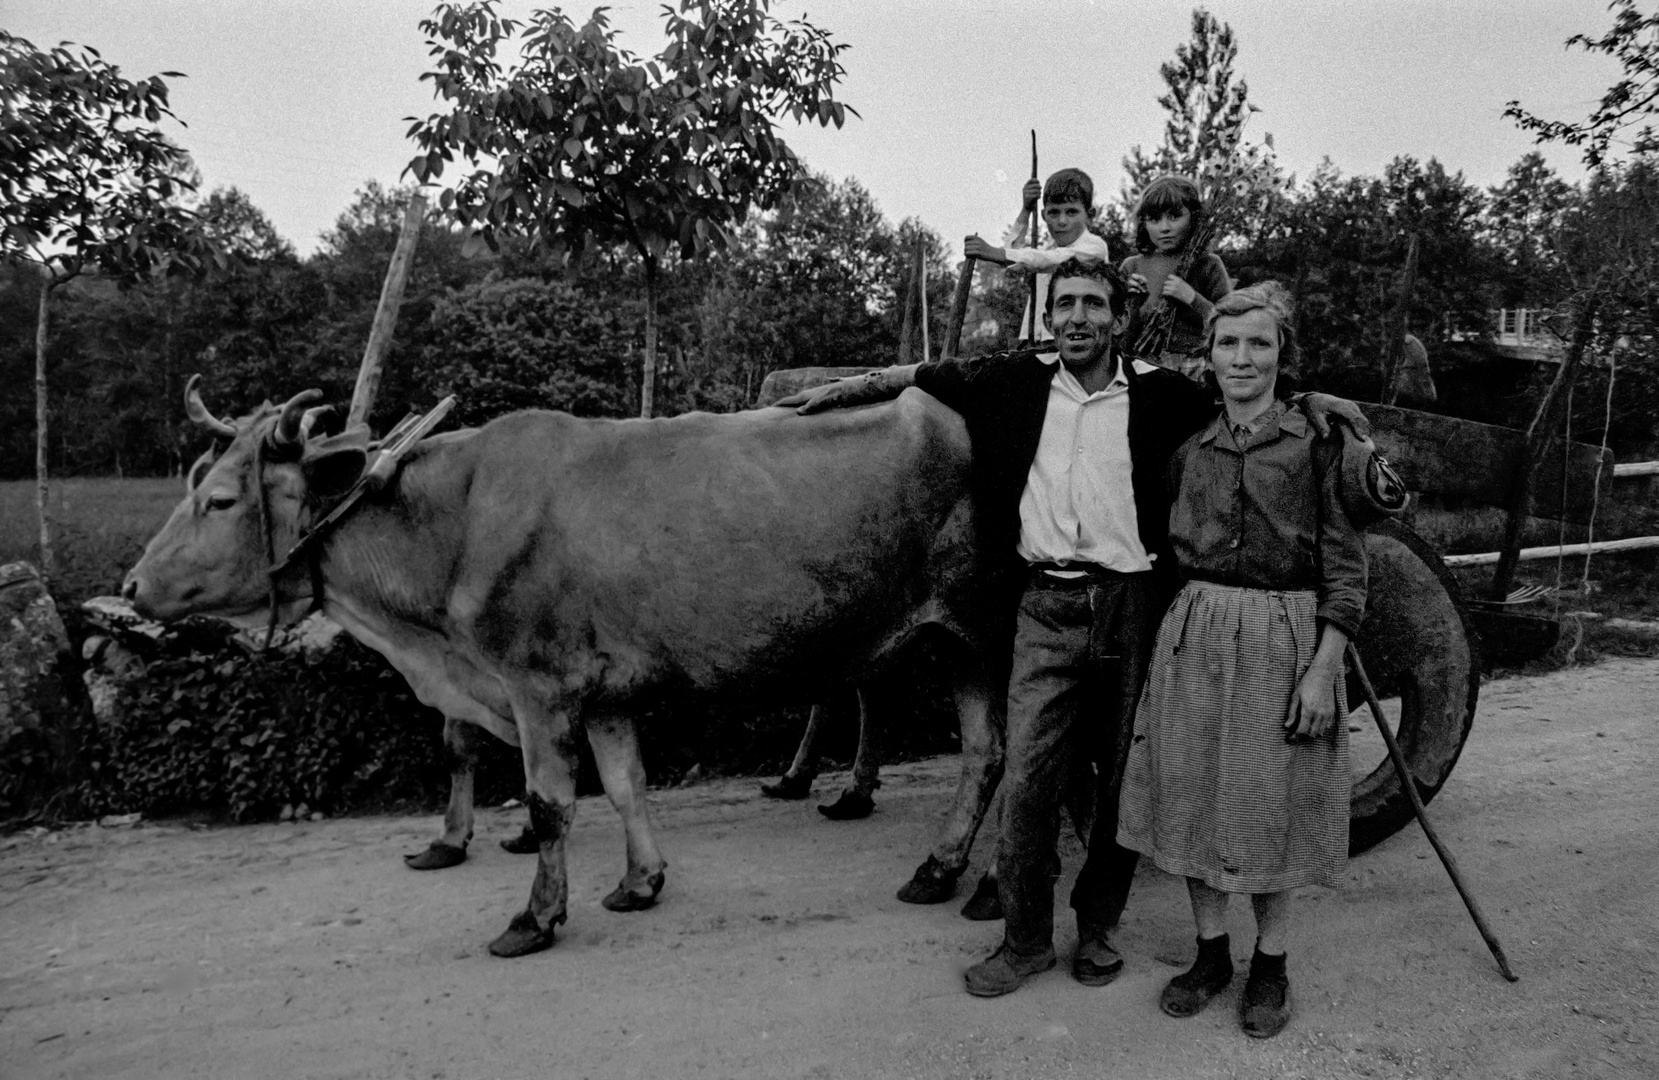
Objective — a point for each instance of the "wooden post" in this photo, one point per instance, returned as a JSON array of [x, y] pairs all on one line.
[[385, 314], [921, 295], [1394, 350], [1543, 429], [907, 326], [958, 310]]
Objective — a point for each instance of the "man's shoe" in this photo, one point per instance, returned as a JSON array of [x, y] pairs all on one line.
[[1002, 972], [1188, 993], [1096, 962], [1264, 1007]]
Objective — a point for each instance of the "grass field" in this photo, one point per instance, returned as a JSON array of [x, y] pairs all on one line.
[[103, 523], [100, 527]]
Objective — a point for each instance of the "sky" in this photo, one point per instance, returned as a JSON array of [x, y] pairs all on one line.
[[299, 103]]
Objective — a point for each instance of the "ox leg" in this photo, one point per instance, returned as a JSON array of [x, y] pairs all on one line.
[[857, 800], [615, 748], [796, 782], [980, 712], [550, 791], [460, 740]]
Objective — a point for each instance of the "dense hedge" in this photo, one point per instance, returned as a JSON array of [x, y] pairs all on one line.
[[213, 726]]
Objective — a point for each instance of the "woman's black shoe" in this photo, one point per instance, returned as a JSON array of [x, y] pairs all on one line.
[[1188, 993]]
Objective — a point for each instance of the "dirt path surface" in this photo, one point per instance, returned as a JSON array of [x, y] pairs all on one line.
[[778, 949]]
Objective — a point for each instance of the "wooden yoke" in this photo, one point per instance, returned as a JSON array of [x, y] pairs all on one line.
[[385, 314]]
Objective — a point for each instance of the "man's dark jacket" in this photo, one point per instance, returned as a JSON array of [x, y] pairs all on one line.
[[1004, 399]]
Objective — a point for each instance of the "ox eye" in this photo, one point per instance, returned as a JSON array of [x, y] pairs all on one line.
[[221, 502]]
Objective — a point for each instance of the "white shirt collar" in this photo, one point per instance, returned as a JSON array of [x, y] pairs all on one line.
[[1119, 378]]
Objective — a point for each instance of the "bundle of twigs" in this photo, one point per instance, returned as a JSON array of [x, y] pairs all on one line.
[[1155, 334]]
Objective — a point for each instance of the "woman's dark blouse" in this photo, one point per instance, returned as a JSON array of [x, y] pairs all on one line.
[[1268, 516]]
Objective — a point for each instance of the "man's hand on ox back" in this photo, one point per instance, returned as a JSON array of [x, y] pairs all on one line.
[[846, 393]]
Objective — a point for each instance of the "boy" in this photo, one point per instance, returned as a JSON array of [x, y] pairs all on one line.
[[1068, 206]]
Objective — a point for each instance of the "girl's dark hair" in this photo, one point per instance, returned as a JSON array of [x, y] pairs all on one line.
[[1275, 299], [1070, 185], [1167, 195]]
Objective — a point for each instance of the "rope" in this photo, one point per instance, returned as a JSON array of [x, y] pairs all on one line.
[[1601, 460], [1561, 519]]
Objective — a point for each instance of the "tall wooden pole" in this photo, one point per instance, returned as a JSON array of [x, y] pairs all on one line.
[[907, 323], [1543, 429], [1031, 325], [958, 310], [921, 295], [1395, 349], [385, 314]]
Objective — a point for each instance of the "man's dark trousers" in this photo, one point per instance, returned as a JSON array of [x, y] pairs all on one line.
[[1081, 648]]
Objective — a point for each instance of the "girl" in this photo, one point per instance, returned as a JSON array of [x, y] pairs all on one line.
[[1169, 213], [1238, 773]]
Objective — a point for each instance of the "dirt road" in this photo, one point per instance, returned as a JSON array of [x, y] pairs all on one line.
[[778, 949]]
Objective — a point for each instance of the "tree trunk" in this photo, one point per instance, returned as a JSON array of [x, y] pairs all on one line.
[[648, 365], [42, 492]]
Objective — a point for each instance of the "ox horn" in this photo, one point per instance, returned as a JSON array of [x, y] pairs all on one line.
[[287, 430], [197, 411], [308, 422]]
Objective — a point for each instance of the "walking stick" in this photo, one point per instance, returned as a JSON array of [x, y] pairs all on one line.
[[1408, 782], [1031, 326]]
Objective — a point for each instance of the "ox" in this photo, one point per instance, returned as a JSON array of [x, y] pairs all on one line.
[[543, 575]]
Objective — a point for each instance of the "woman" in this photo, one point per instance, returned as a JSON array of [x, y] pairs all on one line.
[[1238, 774]]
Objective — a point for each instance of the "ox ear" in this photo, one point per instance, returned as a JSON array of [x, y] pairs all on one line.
[[331, 465]]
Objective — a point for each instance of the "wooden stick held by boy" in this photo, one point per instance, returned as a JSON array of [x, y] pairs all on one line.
[[1068, 207]]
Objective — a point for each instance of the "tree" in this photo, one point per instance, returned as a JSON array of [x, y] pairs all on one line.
[[1608, 243], [587, 145], [1524, 216], [1627, 108], [88, 184], [1208, 107], [1341, 243]]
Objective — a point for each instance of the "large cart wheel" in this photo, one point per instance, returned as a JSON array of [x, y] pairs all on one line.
[[1416, 641]]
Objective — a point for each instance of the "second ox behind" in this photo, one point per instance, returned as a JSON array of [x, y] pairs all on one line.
[[543, 576]]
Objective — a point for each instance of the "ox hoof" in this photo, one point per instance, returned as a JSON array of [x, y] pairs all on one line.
[[984, 905], [788, 787], [622, 898], [932, 883], [849, 807], [438, 856], [524, 936], [525, 843]]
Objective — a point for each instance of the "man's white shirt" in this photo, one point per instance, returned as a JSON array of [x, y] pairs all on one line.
[[1079, 498]]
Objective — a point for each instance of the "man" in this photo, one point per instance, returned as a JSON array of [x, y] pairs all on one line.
[[1070, 448]]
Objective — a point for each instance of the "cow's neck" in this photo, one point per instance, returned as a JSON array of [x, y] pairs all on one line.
[[389, 564]]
